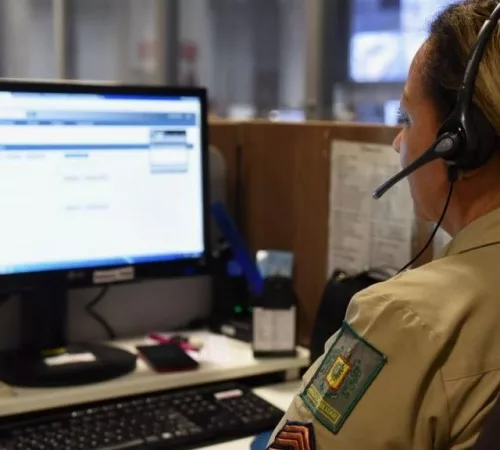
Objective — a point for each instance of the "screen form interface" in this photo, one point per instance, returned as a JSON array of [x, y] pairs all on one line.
[[98, 180]]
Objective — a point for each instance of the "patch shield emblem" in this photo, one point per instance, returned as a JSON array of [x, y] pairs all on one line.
[[346, 372]]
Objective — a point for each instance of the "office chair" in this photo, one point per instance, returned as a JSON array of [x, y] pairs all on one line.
[[335, 299], [489, 438]]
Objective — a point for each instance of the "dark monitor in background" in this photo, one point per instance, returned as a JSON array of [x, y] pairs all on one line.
[[98, 184], [370, 112]]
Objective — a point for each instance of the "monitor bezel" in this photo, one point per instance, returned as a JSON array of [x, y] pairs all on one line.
[[85, 277]]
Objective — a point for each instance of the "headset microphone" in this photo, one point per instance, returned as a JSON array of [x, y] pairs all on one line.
[[442, 148]]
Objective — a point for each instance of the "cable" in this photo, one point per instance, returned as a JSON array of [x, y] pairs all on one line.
[[98, 318], [436, 228]]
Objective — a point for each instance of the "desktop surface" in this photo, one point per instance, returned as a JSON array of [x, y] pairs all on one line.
[[221, 359], [222, 362]]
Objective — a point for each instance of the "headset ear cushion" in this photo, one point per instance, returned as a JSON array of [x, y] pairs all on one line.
[[476, 139], [482, 139]]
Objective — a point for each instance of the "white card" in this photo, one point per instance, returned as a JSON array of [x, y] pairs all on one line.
[[274, 329]]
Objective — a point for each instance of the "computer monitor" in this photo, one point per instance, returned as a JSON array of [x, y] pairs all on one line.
[[98, 184], [287, 115]]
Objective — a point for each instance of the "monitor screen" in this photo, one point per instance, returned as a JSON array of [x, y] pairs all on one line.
[[391, 112], [97, 180]]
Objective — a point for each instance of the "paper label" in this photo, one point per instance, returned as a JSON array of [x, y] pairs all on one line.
[[114, 275], [69, 358]]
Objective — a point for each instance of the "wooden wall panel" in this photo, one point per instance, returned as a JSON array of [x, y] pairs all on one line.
[[268, 178], [285, 170], [286, 183], [310, 237], [224, 136]]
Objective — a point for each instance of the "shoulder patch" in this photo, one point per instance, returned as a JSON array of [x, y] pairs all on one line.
[[344, 375], [295, 436]]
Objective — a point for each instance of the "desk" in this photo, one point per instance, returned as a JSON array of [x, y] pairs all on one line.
[[279, 395], [221, 359]]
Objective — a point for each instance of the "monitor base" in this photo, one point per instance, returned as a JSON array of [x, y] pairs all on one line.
[[79, 364]]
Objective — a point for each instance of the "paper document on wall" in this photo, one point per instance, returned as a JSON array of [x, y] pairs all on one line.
[[364, 232]]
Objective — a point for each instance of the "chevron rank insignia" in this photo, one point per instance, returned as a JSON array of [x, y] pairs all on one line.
[[294, 436], [344, 375]]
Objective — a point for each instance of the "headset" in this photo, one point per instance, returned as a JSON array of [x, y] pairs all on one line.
[[467, 139]]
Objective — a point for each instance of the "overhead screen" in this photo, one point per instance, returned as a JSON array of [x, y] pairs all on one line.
[[385, 35]]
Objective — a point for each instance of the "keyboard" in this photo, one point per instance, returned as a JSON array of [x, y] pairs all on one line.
[[182, 419]]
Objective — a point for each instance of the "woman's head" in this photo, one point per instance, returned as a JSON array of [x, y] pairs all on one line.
[[430, 95]]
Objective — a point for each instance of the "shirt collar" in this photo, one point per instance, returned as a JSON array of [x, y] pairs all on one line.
[[479, 233]]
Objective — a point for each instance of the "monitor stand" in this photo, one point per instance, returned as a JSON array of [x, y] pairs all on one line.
[[45, 360]]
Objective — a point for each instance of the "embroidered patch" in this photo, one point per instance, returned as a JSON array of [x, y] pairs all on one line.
[[343, 377], [295, 436]]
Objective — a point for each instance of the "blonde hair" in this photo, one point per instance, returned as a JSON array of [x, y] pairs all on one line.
[[452, 36]]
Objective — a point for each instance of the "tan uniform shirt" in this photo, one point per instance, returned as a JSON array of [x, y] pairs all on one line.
[[417, 364]]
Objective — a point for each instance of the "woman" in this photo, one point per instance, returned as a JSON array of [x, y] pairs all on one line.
[[417, 362]]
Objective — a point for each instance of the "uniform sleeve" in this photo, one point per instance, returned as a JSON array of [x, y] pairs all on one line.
[[378, 385], [290, 415]]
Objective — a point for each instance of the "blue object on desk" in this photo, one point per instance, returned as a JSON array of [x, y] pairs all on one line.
[[260, 442], [238, 247]]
